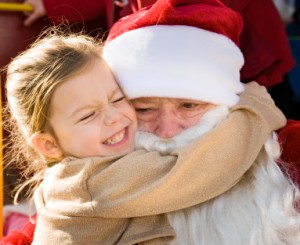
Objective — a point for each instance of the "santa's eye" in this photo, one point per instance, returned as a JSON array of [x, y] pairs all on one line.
[[189, 105], [143, 110]]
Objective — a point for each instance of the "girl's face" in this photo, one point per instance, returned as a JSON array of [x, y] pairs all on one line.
[[90, 115]]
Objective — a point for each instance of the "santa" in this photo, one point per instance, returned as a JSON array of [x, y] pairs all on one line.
[[166, 58]]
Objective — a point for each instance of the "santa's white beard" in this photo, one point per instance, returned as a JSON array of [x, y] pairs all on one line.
[[259, 210]]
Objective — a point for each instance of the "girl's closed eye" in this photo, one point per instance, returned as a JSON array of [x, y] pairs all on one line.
[[119, 99], [87, 117]]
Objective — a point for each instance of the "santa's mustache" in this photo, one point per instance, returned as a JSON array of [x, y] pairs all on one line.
[[208, 121]]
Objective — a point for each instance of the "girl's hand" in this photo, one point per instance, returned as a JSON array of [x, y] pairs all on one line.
[[38, 11]]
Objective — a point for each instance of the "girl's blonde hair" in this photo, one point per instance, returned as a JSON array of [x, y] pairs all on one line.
[[32, 77]]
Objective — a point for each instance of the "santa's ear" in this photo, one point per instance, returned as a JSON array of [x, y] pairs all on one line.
[[46, 144]]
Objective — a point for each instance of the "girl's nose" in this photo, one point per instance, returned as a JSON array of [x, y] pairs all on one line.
[[112, 116]]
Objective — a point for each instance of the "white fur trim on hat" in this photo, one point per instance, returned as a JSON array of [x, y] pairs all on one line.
[[177, 62]]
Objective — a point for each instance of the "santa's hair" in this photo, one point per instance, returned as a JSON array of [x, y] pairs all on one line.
[[259, 209]]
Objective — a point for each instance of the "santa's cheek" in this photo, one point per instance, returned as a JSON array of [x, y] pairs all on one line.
[[189, 122], [193, 120], [146, 126]]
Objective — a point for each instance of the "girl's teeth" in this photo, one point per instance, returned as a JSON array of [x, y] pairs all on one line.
[[115, 139]]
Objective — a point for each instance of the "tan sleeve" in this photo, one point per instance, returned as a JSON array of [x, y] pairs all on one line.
[[146, 183], [255, 99]]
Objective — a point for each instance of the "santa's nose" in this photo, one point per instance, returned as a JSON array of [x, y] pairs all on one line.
[[168, 124]]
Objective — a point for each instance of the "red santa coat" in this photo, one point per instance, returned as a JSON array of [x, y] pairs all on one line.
[[289, 138]]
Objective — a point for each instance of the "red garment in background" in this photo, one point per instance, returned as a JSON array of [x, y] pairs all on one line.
[[74, 10], [94, 13], [15, 37], [22, 237], [263, 41]]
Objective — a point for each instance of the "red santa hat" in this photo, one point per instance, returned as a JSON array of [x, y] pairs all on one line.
[[178, 49]]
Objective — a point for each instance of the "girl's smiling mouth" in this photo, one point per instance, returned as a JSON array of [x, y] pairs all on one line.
[[116, 138]]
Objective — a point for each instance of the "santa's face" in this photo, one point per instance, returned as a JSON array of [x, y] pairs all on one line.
[[208, 120], [166, 117]]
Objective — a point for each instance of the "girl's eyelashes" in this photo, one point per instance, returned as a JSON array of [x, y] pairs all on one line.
[[119, 99], [91, 114], [87, 116]]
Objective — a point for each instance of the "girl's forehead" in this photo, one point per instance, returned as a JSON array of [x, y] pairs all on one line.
[[94, 86]]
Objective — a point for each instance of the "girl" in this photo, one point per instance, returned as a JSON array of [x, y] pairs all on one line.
[[77, 128]]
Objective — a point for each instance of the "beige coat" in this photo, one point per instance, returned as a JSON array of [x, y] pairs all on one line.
[[91, 201]]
